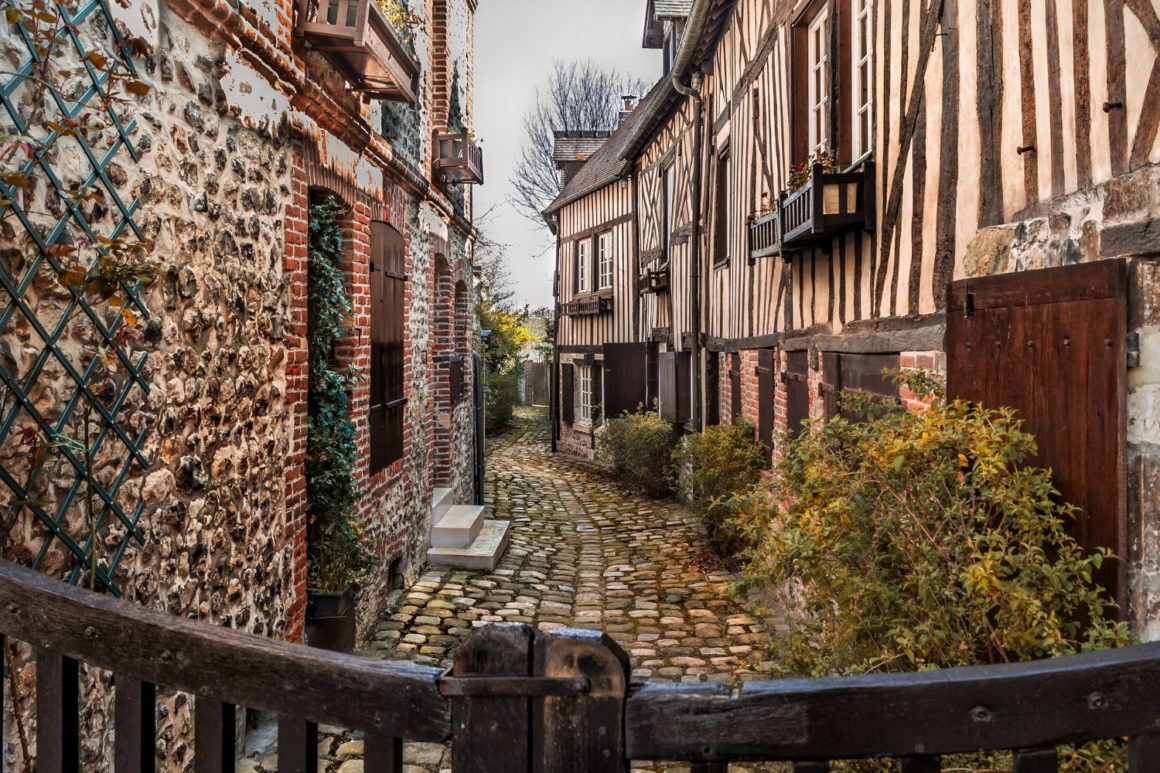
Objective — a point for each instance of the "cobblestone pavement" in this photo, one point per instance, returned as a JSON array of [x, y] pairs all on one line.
[[587, 553]]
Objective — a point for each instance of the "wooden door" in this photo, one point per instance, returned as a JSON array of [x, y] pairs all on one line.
[[624, 378], [673, 386], [1051, 344]]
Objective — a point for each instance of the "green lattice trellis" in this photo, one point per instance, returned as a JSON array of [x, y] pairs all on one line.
[[87, 27]]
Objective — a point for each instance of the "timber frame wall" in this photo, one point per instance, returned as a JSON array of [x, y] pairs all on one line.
[[1006, 136]]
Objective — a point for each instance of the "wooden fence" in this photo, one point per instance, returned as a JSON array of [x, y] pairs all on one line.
[[554, 701], [537, 390]]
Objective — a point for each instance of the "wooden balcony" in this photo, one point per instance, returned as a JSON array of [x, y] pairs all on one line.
[[359, 41], [829, 204], [764, 237], [458, 157], [589, 306], [655, 281]]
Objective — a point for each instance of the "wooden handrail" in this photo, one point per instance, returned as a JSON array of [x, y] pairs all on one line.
[[384, 698], [1045, 703]]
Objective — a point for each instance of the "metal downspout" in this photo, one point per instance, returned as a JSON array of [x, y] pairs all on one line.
[[693, 92]]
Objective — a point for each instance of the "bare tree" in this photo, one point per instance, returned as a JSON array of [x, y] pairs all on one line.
[[580, 96]]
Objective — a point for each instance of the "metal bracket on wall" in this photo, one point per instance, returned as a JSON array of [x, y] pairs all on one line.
[[1133, 349]]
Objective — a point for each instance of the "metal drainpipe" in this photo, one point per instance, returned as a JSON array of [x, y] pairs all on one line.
[[693, 92], [554, 379]]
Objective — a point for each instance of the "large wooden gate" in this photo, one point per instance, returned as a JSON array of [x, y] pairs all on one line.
[[1051, 344], [537, 390], [625, 390]]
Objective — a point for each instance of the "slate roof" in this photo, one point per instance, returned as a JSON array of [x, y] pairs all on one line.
[[577, 146], [667, 9], [605, 165]]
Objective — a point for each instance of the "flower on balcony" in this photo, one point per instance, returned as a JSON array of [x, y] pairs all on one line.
[[799, 173], [405, 21]]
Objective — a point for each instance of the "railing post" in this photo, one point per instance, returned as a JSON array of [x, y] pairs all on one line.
[[57, 718], [581, 733], [490, 733]]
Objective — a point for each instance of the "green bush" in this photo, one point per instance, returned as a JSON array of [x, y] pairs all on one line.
[[641, 448], [501, 395], [723, 461], [920, 540]]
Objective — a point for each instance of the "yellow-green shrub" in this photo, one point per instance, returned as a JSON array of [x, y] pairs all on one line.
[[722, 462], [641, 448], [920, 540]]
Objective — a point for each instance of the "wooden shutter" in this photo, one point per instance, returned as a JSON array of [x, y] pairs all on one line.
[[735, 385], [596, 396], [387, 387], [624, 376], [568, 399], [1051, 344], [831, 382], [712, 390], [673, 386], [651, 376], [765, 397], [455, 378], [721, 210], [797, 390]]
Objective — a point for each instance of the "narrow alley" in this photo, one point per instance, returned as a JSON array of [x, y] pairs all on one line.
[[585, 552]]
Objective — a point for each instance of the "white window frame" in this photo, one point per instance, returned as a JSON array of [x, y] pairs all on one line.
[[583, 266], [818, 87], [669, 181], [604, 257], [583, 394], [862, 78]]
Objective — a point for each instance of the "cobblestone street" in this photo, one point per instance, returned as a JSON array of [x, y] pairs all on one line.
[[585, 552]]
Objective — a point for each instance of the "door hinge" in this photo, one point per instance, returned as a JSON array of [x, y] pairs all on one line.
[[969, 305], [1133, 349], [511, 686]]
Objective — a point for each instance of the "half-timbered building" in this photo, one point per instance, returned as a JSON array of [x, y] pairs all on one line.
[[826, 189]]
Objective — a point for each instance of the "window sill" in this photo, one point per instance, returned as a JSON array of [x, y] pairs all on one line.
[[724, 263]]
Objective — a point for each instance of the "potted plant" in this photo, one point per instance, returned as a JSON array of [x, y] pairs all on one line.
[[338, 561]]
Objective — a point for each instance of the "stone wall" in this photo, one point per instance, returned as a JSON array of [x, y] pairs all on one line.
[[226, 169]]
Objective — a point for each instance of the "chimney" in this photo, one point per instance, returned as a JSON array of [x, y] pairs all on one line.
[[574, 148], [629, 106]]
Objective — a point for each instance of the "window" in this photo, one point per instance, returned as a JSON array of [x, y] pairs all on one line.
[[387, 282], [862, 62], [583, 409], [583, 266], [818, 87], [670, 192], [722, 233], [604, 253]]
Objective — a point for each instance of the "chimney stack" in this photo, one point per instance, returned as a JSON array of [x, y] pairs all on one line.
[[629, 106]]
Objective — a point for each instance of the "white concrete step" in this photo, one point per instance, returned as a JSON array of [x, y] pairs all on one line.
[[441, 500], [458, 527], [483, 554]]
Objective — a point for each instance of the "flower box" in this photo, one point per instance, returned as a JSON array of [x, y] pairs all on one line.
[[827, 205]]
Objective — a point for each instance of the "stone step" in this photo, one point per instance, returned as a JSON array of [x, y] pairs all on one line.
[[483, 554], [441, 500], [458, 527]]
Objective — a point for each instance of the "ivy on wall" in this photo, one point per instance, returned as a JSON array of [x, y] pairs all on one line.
[[336, 553]]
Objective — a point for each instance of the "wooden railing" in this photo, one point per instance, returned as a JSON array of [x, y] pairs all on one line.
[[458, 157], [520, 700], [764, 239]]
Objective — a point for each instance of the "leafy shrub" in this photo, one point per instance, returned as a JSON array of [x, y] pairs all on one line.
[[502, 391], [641, 448], [336, 554], [718, 464], [920, 540]]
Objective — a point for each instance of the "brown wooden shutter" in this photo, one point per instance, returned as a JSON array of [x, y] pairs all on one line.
[[721, 211], [624, 377], [568, 387], [673, 386], [712, 389], [651, 368], [797, 390], [831, 382], [735, 385], [765, 397], [387, 387], [596, 397], [1051, 344]]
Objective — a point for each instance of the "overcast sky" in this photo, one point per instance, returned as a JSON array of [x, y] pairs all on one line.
[[515, 44]]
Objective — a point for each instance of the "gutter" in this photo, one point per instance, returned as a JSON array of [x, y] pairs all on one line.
[[693, 91], [693, 29]]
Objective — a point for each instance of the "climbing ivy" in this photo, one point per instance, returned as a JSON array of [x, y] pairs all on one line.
[[336, 554]]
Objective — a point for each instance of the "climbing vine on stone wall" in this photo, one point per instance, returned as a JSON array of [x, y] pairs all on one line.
[[337, 556]]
